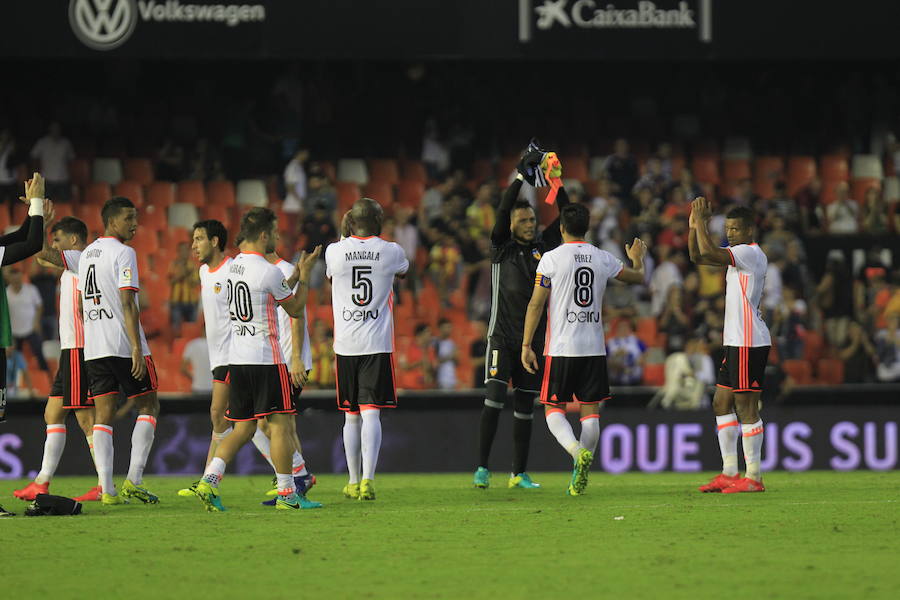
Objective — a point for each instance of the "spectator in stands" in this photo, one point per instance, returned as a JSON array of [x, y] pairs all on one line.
[[675, 235], [407, 235], [795, 272], [184, 285], [667, 273], [319, 230], [673, 320], [322, 374], [785, 207], [777, 238], [25, 309], [170, 161], [195, 365], [477, 353], [419, 358], [295, 183], [9, 185], [677, 206], [653, 177], [53, 153], [432, 203], [888, 344], [664, 155], [875, 213], [773, 286], [319, 190], [690, 188], [789, 324], [445, 354], [625, 355], [697, 350], [480, 214], [204, 163], [15, 365], [859, 355], [647, 217], [604, 212], [622, 169], [842, 215], [809, 204], [435, 154], [743, 195], [445, 266], [46, 280], [477, 256], [834, 297]]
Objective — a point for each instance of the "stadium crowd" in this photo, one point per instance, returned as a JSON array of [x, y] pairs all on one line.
[[832, 298]]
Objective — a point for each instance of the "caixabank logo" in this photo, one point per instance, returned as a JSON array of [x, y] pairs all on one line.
[[545, 15], [107, 24]]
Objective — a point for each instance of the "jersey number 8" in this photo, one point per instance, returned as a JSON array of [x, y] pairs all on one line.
[[584, 286]]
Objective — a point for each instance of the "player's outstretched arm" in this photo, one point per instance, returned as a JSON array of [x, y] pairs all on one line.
[[552, 235], [636, 252], [501, 233], [297, 369], [532, 317], [18, 249], [710, 254], [133, 330], [295, 303], [48, 257]]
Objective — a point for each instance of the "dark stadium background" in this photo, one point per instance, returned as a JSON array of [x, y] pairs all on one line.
[[755, 99]]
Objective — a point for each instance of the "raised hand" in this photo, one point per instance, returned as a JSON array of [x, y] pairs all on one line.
[[34, 187], [636, 250], [307, 261], [700, 206]]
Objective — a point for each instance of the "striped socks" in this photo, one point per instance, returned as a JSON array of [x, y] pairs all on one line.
[[53, 449], [727, 432], [752, 440]]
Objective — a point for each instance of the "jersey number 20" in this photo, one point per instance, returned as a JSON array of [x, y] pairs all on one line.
[[362, 285], [584, 286], [240, 303]]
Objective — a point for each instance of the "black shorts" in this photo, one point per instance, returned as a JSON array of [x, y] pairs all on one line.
[[366, 379], [258, 391], [743, 369], [220, 374], [112, 374], [71, 382], [503, 363], [580, 378]]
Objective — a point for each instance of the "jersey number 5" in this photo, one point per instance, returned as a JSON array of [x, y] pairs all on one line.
[[584, 286], [91, 291], [362, 285]]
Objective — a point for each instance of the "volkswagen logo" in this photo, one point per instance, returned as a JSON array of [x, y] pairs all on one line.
[[102, 24]]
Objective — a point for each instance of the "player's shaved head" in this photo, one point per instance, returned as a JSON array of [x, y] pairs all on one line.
[[367, 216]]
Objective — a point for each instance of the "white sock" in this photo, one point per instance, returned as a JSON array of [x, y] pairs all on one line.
[[285, 483], [562, 430], [370, 434], [103, 456], [262, 444], [752, 439], [298, 465], [214, 472], [352, 444], [141, 442], [90, 442], [590, 432], [53, 449], [727, 430]]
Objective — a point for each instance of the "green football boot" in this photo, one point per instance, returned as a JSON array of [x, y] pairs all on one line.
[[522, 480], [482, 478], [580, 473], [209, 495], [129, 490]]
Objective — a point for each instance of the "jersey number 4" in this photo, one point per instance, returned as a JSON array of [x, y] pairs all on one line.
[[91, 291], [584, 286], [362, 284], [240, 304]]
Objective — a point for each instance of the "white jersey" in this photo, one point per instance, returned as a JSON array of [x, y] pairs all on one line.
[[576, 273], [71, 321], [744, 283], [254, 287], [107, 266], [214, 297], [284, 325], [362, 274]]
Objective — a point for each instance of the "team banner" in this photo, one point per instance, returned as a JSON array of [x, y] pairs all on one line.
[[470, 29], [800, 439]]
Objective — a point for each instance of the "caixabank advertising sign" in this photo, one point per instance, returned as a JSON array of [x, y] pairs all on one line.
[[802, 439]]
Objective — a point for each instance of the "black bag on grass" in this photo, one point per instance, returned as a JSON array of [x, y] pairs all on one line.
[[48, 505]]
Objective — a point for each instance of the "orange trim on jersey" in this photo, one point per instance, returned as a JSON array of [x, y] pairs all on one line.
[[273, 330], [274, 412], [356, 237], [224, 260], [576, 242], [366, 407], [724, 425], [252, 252], [731, 254], [129, 287], [56, 430], [545, 383], [55, 397]]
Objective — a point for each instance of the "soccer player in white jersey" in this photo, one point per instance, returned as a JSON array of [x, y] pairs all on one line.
[[746, 340], [362, 268], [574, 277], [259, 380], [115, 349], [70, 387]]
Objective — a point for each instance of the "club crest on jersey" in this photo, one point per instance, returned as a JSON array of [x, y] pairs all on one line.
[[495, 355], [217, 288], [536, 253]]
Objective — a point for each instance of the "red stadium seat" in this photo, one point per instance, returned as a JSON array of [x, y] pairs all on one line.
[[677, 167], [655, 374], [834, 167], [705, 169], [505, 168], [160, 194], [146, 242], [221, 193], [798, 370], [813, 346], [90, 214], [767, 170], [830, 371], [131, 190], [139, 170], [413, 170], [96, 193], [801, 170], [575, 167], [736, 169], [347, 194], [80, 171], [382, 192], [483, 169], [218, 212], [410, 192], [5, 221], [647, 331], [191, 192], [154, 218], [383, 170]]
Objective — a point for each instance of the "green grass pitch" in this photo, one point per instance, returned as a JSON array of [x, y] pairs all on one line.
[[812, 535]]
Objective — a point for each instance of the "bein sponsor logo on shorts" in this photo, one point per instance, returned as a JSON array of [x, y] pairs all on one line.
[[358, 315]]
